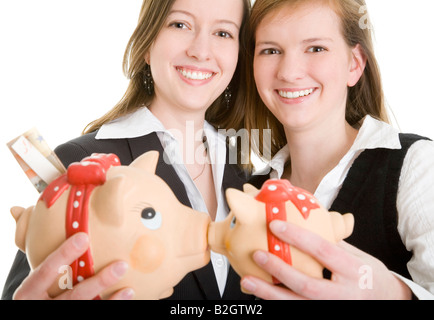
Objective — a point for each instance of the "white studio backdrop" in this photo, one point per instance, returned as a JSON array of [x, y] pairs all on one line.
[[61, 68]]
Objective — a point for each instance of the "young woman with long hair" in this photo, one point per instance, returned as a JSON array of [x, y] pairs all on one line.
[[182, 62], [319, 91]]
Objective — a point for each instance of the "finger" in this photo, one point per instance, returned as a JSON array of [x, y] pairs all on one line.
[[267, 291], [301, 285], [331, 256], [94, 286], [351, 249], [36, 285], [124, 294]]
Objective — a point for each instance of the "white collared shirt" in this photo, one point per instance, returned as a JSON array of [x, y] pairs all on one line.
[[415, 202], [142, 122]]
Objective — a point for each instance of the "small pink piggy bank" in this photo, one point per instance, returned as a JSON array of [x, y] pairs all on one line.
[[246, 230], [129, 213]]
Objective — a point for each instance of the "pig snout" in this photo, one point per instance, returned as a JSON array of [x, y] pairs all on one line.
[[193, 232], [216, 237]]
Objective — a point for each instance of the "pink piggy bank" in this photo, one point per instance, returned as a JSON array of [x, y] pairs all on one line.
[[246, 230], [129, 213]]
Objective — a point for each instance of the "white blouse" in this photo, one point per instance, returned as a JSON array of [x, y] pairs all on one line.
[[415, 202]]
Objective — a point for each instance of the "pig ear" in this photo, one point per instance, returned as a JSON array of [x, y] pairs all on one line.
[[17, 212], [107, 200], [243, 205], [147, 161], [343, 225], [21, 216], [250, 189]]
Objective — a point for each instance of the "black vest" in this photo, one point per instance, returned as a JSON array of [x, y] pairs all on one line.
[[370, 192]]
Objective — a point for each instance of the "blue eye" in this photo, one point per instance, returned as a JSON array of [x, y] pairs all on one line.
[[151, 219]]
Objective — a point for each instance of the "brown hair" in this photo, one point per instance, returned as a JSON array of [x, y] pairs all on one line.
[[151, 20], [365, 98]]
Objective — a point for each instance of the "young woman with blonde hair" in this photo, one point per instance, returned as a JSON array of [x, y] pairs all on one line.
[[182, 62], [319, 91]]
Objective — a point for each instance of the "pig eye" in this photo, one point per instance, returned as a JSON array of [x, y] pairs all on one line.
[[151, 219], [233, 222]]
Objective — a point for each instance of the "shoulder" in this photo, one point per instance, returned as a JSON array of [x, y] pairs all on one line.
[[420, 156], [81, 147], [416, 190], [407, 139], [419, 150]]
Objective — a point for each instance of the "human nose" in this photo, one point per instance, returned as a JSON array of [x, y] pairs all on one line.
[[200, 47], [291, 68]]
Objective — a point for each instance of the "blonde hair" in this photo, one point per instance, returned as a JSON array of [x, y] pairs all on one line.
[[152, 17], [365, 98]]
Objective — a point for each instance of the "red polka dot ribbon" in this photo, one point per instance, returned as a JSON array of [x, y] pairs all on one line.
[[82, 177], [275, 194]]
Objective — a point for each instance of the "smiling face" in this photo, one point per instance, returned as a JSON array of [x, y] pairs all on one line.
[[195, 54], [303, 65]]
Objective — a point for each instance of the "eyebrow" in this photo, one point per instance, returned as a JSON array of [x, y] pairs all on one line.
[[310, 40], [266, 43], [222, 21]]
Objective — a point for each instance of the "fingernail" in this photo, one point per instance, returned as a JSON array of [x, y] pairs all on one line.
[[248, 285], [127, 294], [260, 257], [119, 268], [80, 241], [278, 226]]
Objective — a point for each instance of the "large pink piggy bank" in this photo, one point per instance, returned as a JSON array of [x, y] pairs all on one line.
[[129, 213], [246, 230]]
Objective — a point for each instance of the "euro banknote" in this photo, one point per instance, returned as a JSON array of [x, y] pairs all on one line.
[[36, 158]]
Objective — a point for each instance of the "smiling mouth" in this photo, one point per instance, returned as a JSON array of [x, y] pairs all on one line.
[[194, 74], [295, 94]]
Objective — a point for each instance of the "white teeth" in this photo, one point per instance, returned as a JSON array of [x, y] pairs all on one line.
[[294, 94], [195, 75]]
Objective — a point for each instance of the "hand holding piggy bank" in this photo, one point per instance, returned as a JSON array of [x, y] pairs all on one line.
[[246, 229], [132, 215], [129, 213]]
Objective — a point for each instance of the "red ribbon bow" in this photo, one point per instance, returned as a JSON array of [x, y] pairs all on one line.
[[275, 194], [82, 177]]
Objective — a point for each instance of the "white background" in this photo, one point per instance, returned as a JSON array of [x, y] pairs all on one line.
[[61, 68]]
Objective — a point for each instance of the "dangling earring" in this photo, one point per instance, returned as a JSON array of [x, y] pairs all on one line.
[[228, 97], [148, 80]]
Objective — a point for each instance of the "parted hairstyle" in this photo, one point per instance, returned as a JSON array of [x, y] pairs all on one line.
[[365, 98], [152, 17]]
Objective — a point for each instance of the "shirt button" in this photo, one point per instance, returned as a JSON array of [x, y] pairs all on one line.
[[219, 262]]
